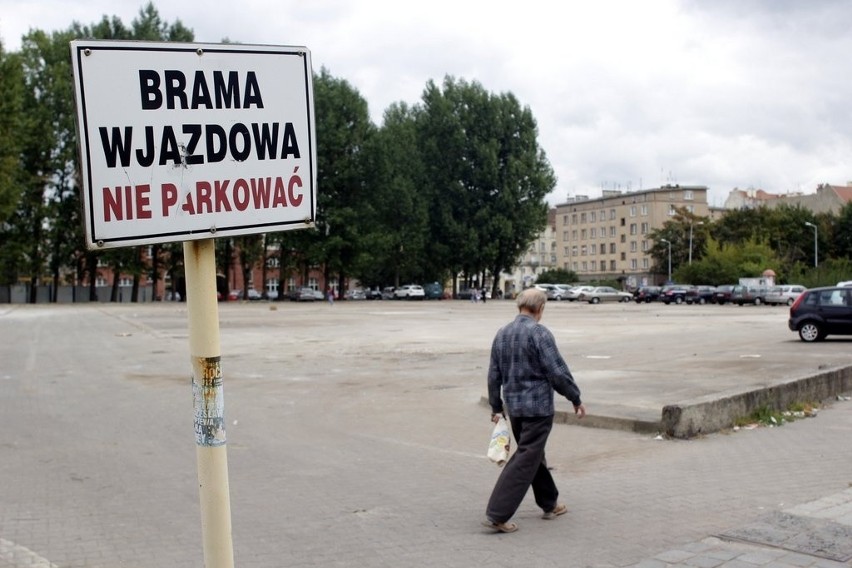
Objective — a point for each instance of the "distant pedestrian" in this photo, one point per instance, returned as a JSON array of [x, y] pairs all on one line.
[[525, 369], [330, 296], [483, 294]]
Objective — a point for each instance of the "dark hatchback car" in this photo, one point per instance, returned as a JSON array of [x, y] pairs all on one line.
[[647, 294], [674, 294], [701, 295], [723, 294], [819, 312]]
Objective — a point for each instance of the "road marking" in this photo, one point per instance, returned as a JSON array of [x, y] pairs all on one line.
[[598, 357], [19, 555]]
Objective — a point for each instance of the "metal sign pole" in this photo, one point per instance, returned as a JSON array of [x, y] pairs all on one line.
[[211, 450]]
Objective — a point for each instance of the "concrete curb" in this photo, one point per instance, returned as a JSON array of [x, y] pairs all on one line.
[[712, 413], [716, 412]]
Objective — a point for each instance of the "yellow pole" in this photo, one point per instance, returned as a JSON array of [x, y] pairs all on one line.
[[211, 450]]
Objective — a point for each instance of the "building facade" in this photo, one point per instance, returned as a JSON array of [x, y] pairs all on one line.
[[540, 257], [607, 238], [826, 199]]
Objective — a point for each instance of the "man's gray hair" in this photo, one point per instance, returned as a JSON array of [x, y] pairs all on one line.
[[532, 300]]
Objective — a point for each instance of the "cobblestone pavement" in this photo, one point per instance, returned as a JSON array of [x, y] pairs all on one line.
[[356, 438]]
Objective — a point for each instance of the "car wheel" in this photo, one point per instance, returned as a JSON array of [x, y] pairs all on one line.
[[702, 301], [810, 332], [595, 301], [790, 301], [757, 301], [678, 300]]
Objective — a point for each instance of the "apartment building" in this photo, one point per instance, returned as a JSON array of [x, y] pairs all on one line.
[[539, 257], [607, 238]]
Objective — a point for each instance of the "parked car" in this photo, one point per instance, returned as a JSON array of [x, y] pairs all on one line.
[[604, 294], [646, 294], [723, 294], [701, 295], [409, 292], [741, 295], [674, 294], [845, 283], [819, 312], [304, 294], [558, 292], [388, 293], [546, 288], [373, 294], [786, 294], [433, 291], [574, 293], [356, 294]]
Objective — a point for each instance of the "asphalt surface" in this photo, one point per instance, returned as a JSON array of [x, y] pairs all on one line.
[[357, 437]]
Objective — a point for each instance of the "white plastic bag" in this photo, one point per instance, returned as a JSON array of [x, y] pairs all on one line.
[[498, 448]]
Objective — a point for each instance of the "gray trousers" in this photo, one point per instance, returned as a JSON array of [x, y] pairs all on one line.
[[526, 468]]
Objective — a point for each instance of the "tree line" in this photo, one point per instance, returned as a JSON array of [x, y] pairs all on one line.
[[453, 186]]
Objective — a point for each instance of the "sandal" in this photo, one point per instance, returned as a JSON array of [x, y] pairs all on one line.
[[500, 527], [560, 509]]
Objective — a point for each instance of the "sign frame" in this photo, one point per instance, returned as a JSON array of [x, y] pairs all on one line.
[[224, 145]]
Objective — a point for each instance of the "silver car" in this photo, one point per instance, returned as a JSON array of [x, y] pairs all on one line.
[[604, 294], [786, 294]]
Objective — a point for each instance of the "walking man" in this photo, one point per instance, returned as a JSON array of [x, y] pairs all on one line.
[[527, 367]]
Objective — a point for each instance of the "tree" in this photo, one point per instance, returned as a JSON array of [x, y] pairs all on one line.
[[343, 129], [557, 276], [485, 175], [11, 126]]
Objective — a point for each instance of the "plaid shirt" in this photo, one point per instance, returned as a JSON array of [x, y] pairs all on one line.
[[526, 364]]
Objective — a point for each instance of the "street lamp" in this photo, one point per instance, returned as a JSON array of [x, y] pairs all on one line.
[[690, 238], [668, 242], [816, 250]]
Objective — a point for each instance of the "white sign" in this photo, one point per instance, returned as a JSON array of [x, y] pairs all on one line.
[[186, 141]]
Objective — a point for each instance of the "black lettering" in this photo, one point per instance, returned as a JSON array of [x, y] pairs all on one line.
[[252, 91], [169, 147], [146, 159], [149, 89], [214, 132], [240, 130], [175, 88], [116, 148], [264, 141], [291, 146], [226, 93], [194, 131], [200, 92]]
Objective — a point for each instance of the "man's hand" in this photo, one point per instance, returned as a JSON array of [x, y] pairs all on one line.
[[580, 411], [496, 416]]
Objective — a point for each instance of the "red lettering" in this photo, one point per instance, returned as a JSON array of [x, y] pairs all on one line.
[[222, 202], [143, 202], [260, 192], [241, 195], [280, 198], [169, 197], [203, 195], [112, 204]]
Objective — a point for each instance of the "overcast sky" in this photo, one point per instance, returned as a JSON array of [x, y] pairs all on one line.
[[627, 94]]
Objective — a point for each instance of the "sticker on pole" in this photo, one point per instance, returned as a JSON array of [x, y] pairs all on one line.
[[184, 141]]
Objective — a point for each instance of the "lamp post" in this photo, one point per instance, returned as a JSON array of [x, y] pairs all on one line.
[[816, 243], [690, 238], [668, 242]]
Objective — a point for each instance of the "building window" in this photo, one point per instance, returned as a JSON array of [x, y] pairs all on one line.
[[612, 265], [612, 214], [634, 246], [273, 262], [593, 233], [585, 266], [624, 256], [576, 266], [291, 283], [612, 231], [633, 264], [671, 210], [645, 246], [574, 250], [574, 235], [633, 228], [583, 250], [632, 210], [623, 238], [603, 248], [645, 228], [592, 217], [687, 195], [645, 263], [611, 248], [564, 235], [644, 210], [574, 219], [565, 219], [582, 217], [603, 266]]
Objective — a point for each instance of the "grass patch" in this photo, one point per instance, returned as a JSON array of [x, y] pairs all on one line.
[[766, 416]]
